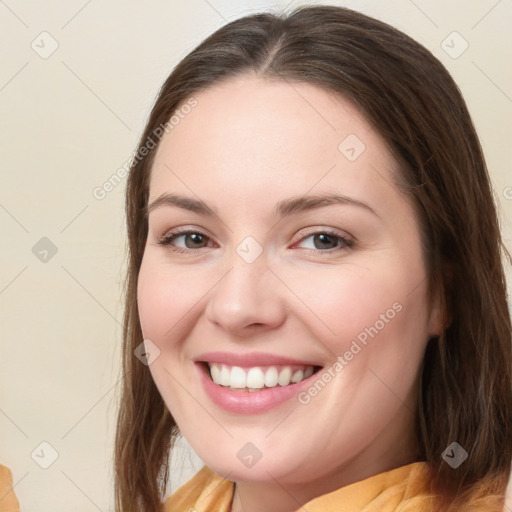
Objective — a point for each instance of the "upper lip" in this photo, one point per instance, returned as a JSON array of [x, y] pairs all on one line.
[[251, 359]]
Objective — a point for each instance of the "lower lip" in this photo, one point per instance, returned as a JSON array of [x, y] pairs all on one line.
[[250, 402]]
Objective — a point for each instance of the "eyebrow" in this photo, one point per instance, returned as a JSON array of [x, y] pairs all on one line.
[[283, 208]]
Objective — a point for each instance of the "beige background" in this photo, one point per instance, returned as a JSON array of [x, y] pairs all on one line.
[[68, 121]]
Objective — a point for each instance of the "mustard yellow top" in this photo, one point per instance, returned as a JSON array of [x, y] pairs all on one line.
[[8, 500], [403, 489]]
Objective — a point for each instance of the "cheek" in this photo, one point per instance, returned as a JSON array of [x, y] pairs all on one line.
[[384, 309], [151, 298], [165, 298], [166, 301], [344, 300]]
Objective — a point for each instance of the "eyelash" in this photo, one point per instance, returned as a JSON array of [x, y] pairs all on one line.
[[167, 240]]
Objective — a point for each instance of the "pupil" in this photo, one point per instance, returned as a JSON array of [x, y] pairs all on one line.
[[324, 239], [196, 238]]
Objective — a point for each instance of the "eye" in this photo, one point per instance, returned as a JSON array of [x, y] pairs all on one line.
[[321, 241], [327, 241], [191, 239]]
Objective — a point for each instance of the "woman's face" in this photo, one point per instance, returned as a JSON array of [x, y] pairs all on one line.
[[263, 288]]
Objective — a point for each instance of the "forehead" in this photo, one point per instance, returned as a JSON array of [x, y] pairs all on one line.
[[263, 138]]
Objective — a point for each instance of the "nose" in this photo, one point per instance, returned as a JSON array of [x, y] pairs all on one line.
[[247, 299]]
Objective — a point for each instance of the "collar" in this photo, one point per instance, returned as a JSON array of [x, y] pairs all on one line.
[[400, 487]]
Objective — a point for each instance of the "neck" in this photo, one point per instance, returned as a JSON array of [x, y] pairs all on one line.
[[280, 496]]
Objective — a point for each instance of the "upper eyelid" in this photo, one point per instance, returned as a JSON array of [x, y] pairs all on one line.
[[184, 231], [309, 230]]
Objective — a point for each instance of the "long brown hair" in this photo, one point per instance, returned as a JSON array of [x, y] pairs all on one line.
[[409, 97]]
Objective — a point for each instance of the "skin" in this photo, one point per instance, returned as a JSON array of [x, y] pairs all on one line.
[[248, 144]]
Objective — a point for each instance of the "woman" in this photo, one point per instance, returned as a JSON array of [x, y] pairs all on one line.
[[315, 270]]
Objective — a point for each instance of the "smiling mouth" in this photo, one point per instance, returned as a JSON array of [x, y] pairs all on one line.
[[258, 378]]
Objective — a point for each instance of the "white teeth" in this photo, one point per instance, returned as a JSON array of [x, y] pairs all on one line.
[[256, 378], [237, 379], [297, 376], [214, 369], [271, 377], [285, 376], [224, 376]]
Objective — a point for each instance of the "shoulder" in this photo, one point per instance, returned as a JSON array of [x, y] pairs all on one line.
[[487, 495]]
